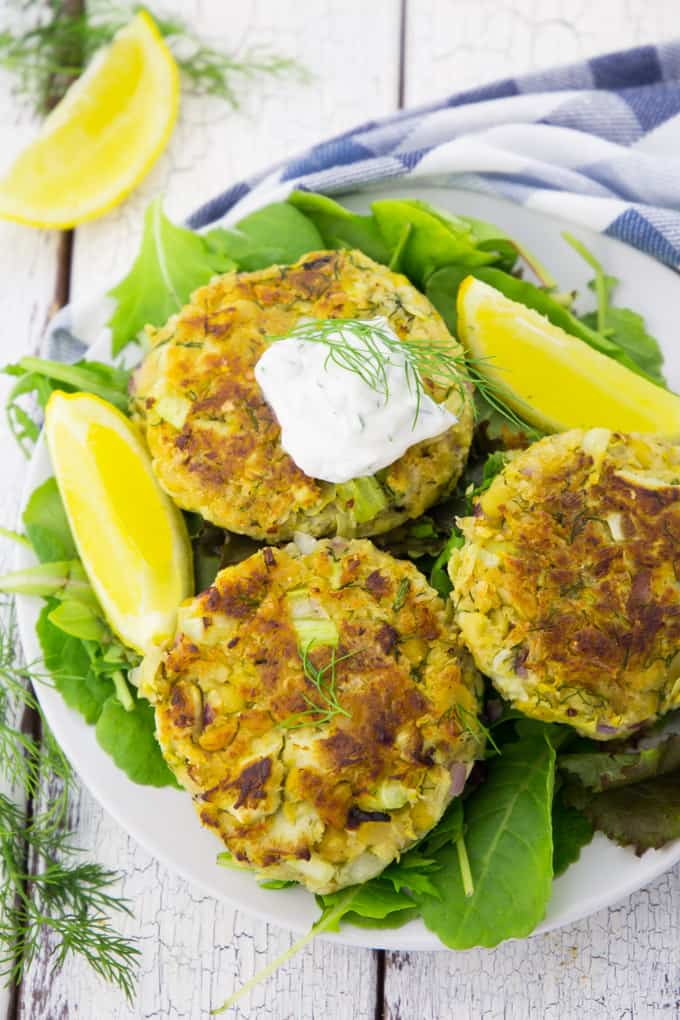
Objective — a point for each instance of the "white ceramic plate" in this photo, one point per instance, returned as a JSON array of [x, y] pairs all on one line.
[[164, 822]]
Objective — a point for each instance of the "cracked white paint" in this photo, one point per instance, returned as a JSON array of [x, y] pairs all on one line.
[[622, 964]]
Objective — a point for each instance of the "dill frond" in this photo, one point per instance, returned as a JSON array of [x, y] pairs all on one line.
[[45, 886], [366, 349], [57, 45], [324, 705]]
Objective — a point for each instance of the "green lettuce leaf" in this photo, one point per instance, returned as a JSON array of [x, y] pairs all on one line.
[[171, 264], [509, 845]]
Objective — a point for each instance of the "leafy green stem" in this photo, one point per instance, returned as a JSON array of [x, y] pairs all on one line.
[[328, 920], [464, 863]]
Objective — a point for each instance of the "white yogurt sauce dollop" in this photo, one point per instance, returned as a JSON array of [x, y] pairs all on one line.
[[333, 424]]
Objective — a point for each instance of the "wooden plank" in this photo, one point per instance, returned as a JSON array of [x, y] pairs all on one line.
[[455, 45], [623, 962], [28, 261], [195, 950]]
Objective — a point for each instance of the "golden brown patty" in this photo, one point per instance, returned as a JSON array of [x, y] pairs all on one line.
[[327, 782], [214, 440], [568, 588]]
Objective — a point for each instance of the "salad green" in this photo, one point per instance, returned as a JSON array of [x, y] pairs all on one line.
[[485, 872]]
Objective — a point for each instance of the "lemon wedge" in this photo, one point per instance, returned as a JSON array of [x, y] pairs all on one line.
[[131, 538], [101, 139], [553, 380]]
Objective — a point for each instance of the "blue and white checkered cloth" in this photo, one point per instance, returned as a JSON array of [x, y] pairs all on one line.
[[597, 143]]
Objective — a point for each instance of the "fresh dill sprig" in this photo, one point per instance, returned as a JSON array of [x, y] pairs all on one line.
[[60, 45], [324, 680], [44, 887], [367, 348]]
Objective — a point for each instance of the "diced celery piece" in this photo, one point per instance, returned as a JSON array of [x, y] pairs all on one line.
[[366, 496], [173, 409]]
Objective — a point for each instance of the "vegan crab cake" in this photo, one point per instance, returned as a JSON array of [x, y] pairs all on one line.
[[567, 590], [215, 441], [320, 708]]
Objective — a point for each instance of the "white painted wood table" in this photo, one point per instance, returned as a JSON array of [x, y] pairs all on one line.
[[368, 58]]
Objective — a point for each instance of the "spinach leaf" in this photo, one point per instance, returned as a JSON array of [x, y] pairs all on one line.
[[171, 264], [276, 234], [129, 737], [645, 815], [340, 228], [509, 845], [571, 832], [431, 243], [47, 526]]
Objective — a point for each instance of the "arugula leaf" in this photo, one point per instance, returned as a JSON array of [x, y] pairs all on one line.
[[47, 526], [171, 264], [622, 325], [67, 660], [276, 234], [129, 737], [509, 845], [340, 228], [571, 832], [645, 815], [40, 377]]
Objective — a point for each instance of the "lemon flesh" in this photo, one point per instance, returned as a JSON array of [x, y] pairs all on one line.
[[553, 380], [103, 136], [130, 536]]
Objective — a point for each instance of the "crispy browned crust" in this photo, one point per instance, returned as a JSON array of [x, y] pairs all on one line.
[[226, 460], [280, 786], [568, 590]]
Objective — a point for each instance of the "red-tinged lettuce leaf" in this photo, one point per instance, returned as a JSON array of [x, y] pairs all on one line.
[[645, 816], [656, 753], [508, 838], [571, 832]]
